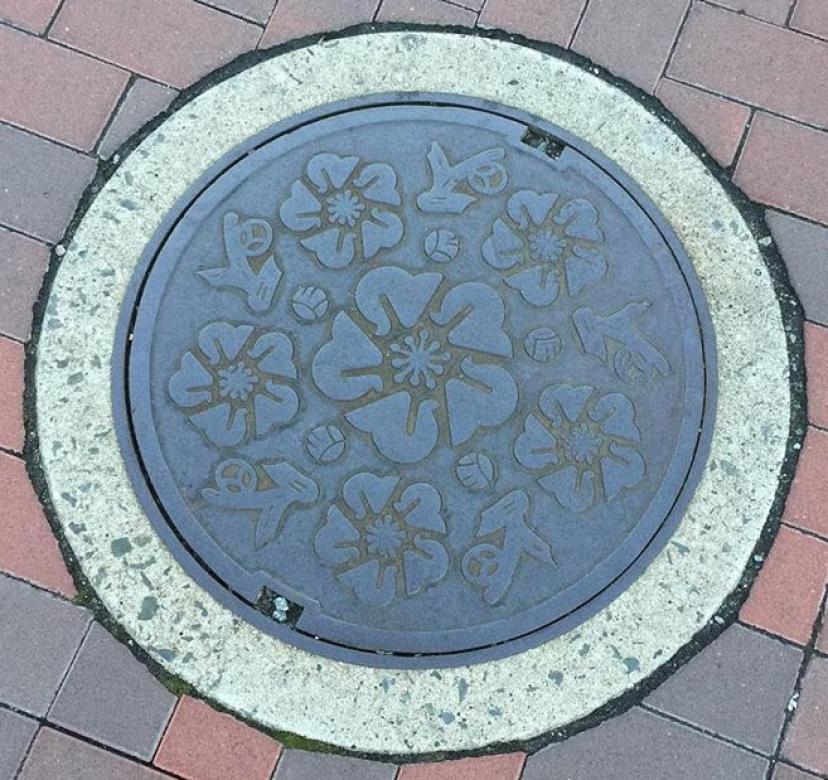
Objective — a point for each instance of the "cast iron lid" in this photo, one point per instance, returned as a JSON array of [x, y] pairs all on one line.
[[415, 380]]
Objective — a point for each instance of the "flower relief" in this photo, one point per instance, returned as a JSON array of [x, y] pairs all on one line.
[[544, 241], [585, 446], [346, 208], [235, 383], [384, 540], [416, 358]]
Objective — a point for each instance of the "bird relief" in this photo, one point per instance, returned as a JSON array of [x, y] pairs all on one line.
[[271, 490], [452, 185], [492, 566], [244, 241]]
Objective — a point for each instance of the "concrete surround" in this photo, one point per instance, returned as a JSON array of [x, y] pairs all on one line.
[[386, 710]]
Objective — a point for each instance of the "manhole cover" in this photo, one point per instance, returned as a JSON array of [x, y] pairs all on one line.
[[418, 377]]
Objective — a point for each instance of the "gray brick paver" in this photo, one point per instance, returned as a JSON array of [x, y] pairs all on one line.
[[110, 697], [737, 687], [16, 734], [40, 635], [302, 765], [641, 744]]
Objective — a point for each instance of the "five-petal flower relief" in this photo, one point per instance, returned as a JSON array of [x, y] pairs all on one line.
[[346, 208], [418, 357], [383, 539], [235, 383], [585, 445], [543, 241]]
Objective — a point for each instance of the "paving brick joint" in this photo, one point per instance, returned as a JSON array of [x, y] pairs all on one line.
[[746, 77]]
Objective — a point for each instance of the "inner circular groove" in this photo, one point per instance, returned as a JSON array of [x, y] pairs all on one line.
[[523, 258]]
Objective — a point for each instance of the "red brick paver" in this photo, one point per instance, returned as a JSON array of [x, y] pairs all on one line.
[[23, 262], [425, 12], [297, 18], [717, 122], [54, 755], [807, 504], [632, 38], [775, 11], [811, 16], [29, 549], [816, 364], [55, 92], [41, 183], [783, 165], [806, 743], [202, 744], [755, 62], [788, 772], [506, 766], [173, 41], [33, 15], [546, 20], [11, 395], [254, 10], [787, 595]]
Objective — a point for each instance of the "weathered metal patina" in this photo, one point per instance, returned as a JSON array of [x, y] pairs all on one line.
[[417, 377]]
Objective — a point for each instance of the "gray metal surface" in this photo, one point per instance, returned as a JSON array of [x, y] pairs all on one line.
[[426, 380]]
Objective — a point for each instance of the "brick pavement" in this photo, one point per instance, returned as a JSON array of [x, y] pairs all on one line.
[[748, 77]]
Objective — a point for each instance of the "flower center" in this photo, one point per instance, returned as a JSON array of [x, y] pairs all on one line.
[[419, 360], [344, 208], [384, 537], [583, 443], [236, 381], [545, 246]]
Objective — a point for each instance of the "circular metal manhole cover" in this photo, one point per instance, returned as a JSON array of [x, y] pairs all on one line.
[[421, 377]]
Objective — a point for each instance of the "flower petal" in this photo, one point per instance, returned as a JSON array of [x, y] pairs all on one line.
[[221, 425], [581, 220], [623, 468], [378, 182], [407, 294], [372, 584], [366, 492], [301, 210], [503, 248], [348, 351], [336, 542], [526, 207], [564, 486], [618, 416], [488, 399], [583, 268], [536, 447], [382, 231], [334, 248], [276, 407], [388, 422], [424, 566], [330, 171], [481, 313], [220, 340], [273, 353], [421, 505], [191, 384], [537, 285], [570, 400]]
